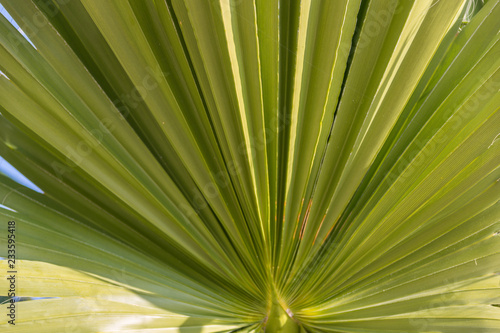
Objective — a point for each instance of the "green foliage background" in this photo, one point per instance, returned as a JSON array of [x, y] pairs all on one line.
[[253, 165]]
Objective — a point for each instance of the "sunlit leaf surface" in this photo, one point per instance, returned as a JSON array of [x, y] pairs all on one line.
[[251, 165]]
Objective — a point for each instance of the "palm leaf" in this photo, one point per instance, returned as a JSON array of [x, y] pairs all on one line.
[[247, 166]]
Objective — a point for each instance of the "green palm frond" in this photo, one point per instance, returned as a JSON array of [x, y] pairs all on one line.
[[252, 165]]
